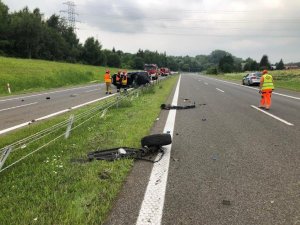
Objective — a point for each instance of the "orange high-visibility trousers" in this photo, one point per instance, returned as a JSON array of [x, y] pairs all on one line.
[[266, 98]]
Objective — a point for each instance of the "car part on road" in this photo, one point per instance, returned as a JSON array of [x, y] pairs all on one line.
[[150, 145], [168, 106]]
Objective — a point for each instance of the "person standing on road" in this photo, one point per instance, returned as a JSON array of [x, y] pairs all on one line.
[[118, 81], [266, 87], [124, 80], [107, 80]]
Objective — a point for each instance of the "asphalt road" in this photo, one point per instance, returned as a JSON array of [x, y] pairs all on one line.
[[231, 163], [19, 109]]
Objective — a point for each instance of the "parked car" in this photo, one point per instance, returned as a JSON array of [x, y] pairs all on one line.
[[252, 78], [134, 79]]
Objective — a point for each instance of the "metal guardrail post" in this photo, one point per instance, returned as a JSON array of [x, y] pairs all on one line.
[[71, 119], [4, 155]]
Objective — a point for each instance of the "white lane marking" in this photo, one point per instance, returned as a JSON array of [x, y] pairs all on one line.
[[19, 106], [275, 117], [51, 115], [220, 90], [29, 96], [206, 83], [152, 206], [92, 90], [199, 80], [275, 93]]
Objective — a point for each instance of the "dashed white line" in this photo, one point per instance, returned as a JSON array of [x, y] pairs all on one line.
[[19, 106], [152, 206], [275, 117], [275, 93], [51, 115], [220, 90], [46, 93]]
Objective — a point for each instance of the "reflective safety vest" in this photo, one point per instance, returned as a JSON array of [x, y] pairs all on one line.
[[124, 80], [267, 82], [107, 78]]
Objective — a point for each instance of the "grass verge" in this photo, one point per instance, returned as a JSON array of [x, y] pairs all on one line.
[[27, 75], [47, 188], [287, 79]]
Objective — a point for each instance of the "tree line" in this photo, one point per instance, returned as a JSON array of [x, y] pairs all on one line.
[[27, 34]]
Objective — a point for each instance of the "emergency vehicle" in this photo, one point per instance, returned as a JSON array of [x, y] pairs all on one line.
[[165, 71], [152, 70]]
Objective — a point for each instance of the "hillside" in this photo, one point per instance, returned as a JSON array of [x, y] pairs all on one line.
[[25, 75]]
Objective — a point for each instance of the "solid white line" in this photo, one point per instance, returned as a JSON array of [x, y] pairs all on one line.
[[18, 106], [14, 127], [275, 117], [220, 90], [51, 115], [275, 93], [46, 93], [152, 206]]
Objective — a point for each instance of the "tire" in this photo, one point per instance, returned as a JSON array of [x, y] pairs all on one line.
[[156, 140]]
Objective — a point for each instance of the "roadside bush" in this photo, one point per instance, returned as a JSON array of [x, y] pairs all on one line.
[[212, 70]]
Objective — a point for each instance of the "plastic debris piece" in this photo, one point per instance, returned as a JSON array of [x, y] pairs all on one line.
[[47, 97], [226, 202]]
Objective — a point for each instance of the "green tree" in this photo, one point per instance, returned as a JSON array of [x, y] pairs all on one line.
[[264, 63], [91, 52], [26, 30], [280, 65], [226, 64], [138, 63], [4, 27]]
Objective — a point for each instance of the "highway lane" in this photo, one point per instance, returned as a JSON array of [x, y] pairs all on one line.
[[233, 164], [230, 163], [19, 109]]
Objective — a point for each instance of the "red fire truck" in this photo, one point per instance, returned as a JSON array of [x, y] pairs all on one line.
[[165, 71], [152, 70]]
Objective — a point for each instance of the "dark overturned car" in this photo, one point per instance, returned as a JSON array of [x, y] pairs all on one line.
[[135, 79]]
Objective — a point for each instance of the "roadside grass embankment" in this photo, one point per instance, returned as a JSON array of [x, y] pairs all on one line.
[[286, 79], [48, 188], [28, 75]]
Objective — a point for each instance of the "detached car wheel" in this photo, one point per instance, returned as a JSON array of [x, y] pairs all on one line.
[[156, 140]]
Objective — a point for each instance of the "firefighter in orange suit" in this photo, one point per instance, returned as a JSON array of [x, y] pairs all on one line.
[[266, 87], [107, 80]]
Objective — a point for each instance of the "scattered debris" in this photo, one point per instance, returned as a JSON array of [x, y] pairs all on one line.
[[47, 97], [23, 146], [226, 202], [176, 160], [168, 106], [272, 202], [157, 119], [22, 100], [215, 157], [177, 134], [203, 119], [73, 95]]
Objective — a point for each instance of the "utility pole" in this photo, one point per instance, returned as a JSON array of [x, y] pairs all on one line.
[[71, 14]]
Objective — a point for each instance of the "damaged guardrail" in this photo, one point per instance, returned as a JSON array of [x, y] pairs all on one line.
[[63, 129]]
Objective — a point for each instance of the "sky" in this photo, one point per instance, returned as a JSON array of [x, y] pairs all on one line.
[[185, 27]]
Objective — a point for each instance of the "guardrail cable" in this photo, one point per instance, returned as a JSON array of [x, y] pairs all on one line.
[[91, 113]]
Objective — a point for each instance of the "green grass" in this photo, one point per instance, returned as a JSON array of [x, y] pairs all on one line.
[[287, 79], [25, 75], [47, 188]]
